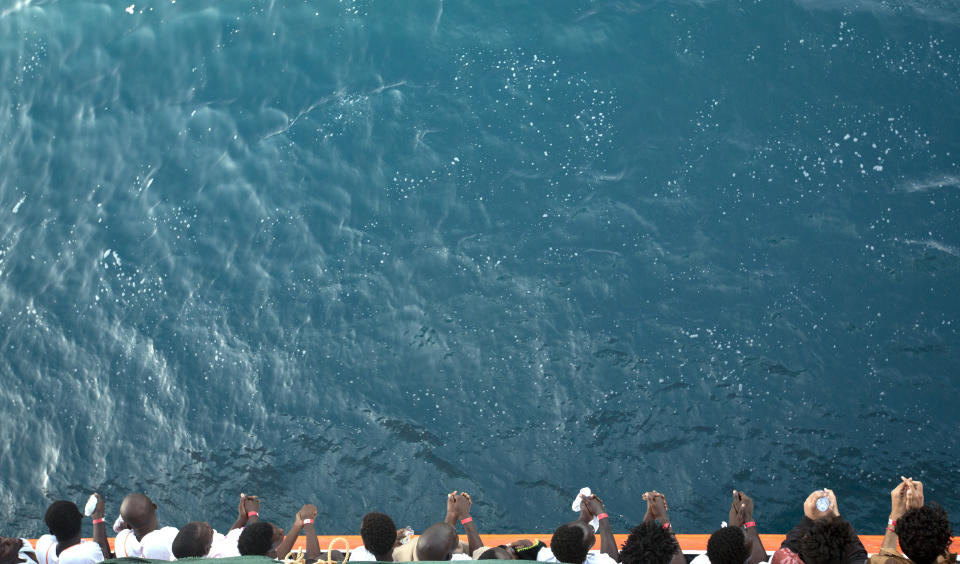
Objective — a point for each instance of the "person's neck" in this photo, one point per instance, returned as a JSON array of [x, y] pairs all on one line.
[[145, 530], [67, 543]]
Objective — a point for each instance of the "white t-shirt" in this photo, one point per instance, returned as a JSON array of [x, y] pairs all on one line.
[[156, 545], [225, 546], [704, 559], [83, 553], [26, 553], [361, 554], [593, 557]]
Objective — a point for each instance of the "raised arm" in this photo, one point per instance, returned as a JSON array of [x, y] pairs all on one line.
[[100, 528], [594, 508], [460, 507], [291, 537], [657, 510], [741, 515], [306, 516], [248, 511], [907, 495]]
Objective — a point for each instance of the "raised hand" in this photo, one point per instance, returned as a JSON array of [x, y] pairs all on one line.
[[898, 499], [914, 493], [741, 509], [461, 504], [308, 511], [250, 503], [592, 505], [100, 510], [656, 506], [811, 510]]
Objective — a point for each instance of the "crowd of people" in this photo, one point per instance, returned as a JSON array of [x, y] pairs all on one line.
[[916, 532]]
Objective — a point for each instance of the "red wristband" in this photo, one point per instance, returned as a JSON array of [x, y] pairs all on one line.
[[666, 526], [466, 520], [602, 516], [307, 521], [749, 524], [252, 513], [891, 522], [891, 529], [97, 521]]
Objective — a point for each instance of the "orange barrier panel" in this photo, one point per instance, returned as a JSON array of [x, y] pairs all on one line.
[[692, 543]]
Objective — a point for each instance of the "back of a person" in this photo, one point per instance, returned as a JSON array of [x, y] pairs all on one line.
[[924, 534], [827, 541], [725, 546], [63, 545], [155, 545], [648, 543], [379, 534]]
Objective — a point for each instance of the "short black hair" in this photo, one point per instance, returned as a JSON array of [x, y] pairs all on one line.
[[825, 541], [64, 519], [189, 542], [727, 546], [569, 543], [499, 552], [648, 543], [924, 533], [256, 539], [378, 532]]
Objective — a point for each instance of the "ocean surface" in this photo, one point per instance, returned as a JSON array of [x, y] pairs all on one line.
[[361, 253]]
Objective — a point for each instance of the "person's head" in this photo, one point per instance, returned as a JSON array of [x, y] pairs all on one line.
[[727, 546], [924, 533], [193, 540], [64, 519], [437, 543], [825, 541], [10, 550], [139, 511], [648, 543], [498, 553], [572, 541], [378, 532], [257, 539]]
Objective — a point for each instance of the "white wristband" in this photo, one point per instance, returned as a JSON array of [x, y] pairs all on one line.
[[307, 521]]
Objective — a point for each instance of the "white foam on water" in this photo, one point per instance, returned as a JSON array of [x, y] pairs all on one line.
[[936, 245], [16, 207], [946, 181]]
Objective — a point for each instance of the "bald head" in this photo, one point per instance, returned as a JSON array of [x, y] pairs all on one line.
[[437, 543], [139, 511]]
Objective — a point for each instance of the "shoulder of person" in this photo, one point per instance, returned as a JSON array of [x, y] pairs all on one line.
[[361, 554], [81, 553], [546, 555], [476, 553], [46, 546], [701, 559], [163, 535], [406, 552], [599, 558]]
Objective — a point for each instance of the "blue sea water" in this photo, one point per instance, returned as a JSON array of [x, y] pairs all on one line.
[[364, 252]]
